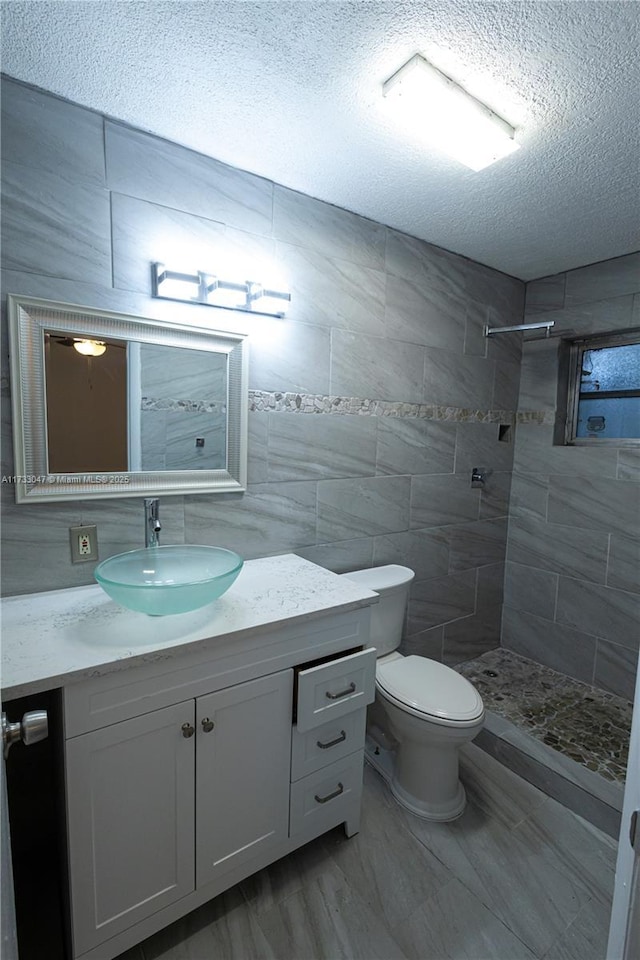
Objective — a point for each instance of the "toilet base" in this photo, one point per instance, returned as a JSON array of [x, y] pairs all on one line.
[[383, 761], [443, 814]]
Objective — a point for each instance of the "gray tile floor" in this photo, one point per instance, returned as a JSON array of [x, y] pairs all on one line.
[[517, 877]]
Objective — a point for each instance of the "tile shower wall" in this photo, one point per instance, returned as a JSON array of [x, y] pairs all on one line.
[[371, 401], [183, 402], [572, 584]]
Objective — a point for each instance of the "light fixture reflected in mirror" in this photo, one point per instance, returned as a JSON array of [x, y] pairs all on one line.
[[90, 348], [250, 296]]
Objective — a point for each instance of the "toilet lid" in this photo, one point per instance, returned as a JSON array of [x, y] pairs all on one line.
[[430, 687]]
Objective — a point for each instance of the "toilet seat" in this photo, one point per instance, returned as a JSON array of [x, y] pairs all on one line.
[[428, 689]]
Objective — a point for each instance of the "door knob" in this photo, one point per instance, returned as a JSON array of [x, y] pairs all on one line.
[[207, 725], [187, 730], [33, 727]]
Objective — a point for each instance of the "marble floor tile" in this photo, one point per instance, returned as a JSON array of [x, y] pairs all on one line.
[[496, 790], [222, 929], [581, 848], [516, 877], [586, 938], [391, 873], [327, 919], [510, 872], [280, 880], [455, 924]]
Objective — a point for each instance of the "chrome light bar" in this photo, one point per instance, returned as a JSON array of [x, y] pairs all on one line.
[[250, 296]]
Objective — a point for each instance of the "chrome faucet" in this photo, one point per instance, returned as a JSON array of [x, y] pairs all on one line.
[[152, 525]]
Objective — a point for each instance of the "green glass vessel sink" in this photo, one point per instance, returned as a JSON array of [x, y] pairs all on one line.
[[168, 579]]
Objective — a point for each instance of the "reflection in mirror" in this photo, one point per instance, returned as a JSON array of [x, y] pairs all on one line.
[[183, 409], [86, 406], [158, 407], [109, 405]]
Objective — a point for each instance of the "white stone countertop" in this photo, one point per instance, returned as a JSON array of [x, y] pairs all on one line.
[[60, 637]]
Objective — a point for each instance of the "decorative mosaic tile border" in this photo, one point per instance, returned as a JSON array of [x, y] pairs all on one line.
[[536, 416], [275, 402], [188, 406]]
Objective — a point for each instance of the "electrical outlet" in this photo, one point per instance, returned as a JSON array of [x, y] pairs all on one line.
[[84, 543]]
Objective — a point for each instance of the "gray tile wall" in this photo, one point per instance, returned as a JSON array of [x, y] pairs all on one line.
[[183, 396], [88, 203], [572, 584]]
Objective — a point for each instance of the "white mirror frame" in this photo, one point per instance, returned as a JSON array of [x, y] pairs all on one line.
[[28, 319]]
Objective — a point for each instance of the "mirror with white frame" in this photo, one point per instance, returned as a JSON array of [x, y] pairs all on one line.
[[111, 405]]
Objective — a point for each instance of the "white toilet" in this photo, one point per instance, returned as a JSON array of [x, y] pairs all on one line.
[[423, 713]]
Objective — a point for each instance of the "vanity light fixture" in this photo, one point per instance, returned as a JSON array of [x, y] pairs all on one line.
[[269, 301], [448, 116], [175, 285], [90, 348], [249, 296]]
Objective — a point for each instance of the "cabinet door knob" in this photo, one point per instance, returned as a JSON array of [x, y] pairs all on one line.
[[187, 730], [207, 725]]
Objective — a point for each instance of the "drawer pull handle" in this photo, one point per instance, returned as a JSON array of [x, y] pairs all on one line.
[[343, 693], [207, 725], [332, 743], [187, 730], [331, 796]]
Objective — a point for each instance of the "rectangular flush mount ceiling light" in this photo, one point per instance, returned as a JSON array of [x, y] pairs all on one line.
[[447, 116], [200, 287]]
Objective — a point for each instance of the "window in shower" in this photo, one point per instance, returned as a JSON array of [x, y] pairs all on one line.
[[604, 389]]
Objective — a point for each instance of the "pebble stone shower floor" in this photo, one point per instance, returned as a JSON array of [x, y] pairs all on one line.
[[586, 724]]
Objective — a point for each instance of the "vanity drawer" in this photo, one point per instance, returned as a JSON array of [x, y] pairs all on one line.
[[317, 748], [320, 801], [335, 688]]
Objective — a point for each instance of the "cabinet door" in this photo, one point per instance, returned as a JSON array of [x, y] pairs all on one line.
[[242, 773], [130, 797]]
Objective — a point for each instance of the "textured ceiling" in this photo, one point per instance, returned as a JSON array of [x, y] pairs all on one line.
[[292, 91]]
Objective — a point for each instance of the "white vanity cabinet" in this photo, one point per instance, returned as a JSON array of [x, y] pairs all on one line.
[[168, 802], [130, 805], [185, 777], [327, 752], [242, 773]]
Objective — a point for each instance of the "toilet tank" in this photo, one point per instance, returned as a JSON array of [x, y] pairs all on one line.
[[387, 616]]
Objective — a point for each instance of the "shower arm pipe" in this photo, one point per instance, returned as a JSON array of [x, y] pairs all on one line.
[[546, 324]]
